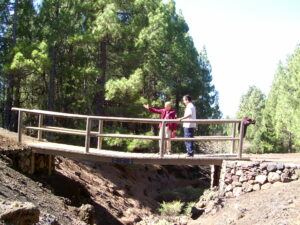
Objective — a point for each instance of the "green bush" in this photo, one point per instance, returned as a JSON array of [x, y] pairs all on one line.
[[170, 208], [188, 208]]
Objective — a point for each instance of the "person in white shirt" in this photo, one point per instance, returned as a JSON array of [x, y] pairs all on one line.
[[188, 127]]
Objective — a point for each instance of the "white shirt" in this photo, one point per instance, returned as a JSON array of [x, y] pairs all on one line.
[[190, 110]]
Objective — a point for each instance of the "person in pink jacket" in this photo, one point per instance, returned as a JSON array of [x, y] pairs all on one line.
[[166, 113]]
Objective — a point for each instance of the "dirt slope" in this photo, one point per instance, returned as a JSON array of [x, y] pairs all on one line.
[[279, 205]]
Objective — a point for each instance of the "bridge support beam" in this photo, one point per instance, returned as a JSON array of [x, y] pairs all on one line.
[[215, 175]]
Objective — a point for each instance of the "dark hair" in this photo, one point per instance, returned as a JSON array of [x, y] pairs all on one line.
[[187, 97]]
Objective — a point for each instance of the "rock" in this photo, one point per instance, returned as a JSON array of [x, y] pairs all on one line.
[[235, 178], [251, 182], [279, 172], [263, 166], [209, 207], [229, 194], [247, 187], [272, 167], [25, 213], [196, 213], [290, 165], [253, 164], [87, 213], [256, 187], [273, 177], [237, 191], [239, 173], [48, 219], [261, 179], [236, 184], [294, 177], [280, 166], [243, 178], [284, 177], [266, 186], [229, 188]]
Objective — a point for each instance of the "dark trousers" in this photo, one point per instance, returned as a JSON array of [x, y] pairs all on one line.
[[189, 145]]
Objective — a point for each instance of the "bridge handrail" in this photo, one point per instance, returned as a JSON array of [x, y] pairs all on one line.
[[125, 119], [88, 133]]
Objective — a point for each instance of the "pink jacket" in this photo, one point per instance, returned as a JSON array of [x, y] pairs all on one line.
[[166, 114]]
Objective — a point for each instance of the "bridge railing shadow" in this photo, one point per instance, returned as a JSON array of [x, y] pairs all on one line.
[[235, 137]]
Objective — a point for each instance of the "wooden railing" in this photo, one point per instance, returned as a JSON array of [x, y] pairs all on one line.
[[88, 133]]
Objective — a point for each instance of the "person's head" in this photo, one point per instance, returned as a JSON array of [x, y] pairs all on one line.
[[186, 99], [168, 105]]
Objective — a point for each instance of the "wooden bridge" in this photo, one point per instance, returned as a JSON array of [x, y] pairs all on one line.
[[100, 154]]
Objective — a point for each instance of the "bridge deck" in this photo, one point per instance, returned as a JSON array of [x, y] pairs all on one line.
[[126, 157]]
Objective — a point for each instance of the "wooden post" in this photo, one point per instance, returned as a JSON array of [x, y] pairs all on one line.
[[215, 175], [40, 132], [20, 126], [233, 135], [241, 139], [88, 135], [32, 161], [162, 140], [100, 131]]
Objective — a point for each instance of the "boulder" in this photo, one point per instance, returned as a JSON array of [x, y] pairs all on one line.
[[237, 191], [19, 213], [196, 213], [256, 187], [273, 177], [247, 187], [229, 188], [87, 213], [261, 179], [284, 177], [272, 167]]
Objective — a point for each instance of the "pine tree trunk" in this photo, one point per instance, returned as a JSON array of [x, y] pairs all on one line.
[[10, 82], [102, 64]]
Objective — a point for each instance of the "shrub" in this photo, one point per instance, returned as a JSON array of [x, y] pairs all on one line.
[[170, 208]]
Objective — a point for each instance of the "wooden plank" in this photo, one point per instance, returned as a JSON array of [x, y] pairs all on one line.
[[40, 134], [20, 126], [145, 137], [135, 158], [63, 131]]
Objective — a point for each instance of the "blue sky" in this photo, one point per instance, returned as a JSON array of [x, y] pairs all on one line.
[[244, 39]]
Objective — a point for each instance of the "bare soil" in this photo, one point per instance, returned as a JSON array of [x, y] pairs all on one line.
[[279, 205]]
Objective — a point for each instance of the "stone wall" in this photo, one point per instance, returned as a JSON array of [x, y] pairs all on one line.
[[23, 159], [238, 177]]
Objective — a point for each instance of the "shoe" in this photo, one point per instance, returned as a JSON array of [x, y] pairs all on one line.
[[190, 155]]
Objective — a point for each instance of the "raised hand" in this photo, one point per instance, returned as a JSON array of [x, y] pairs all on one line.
[[146, 106]]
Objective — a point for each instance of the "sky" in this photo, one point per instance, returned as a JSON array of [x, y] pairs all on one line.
[[245, 40]]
